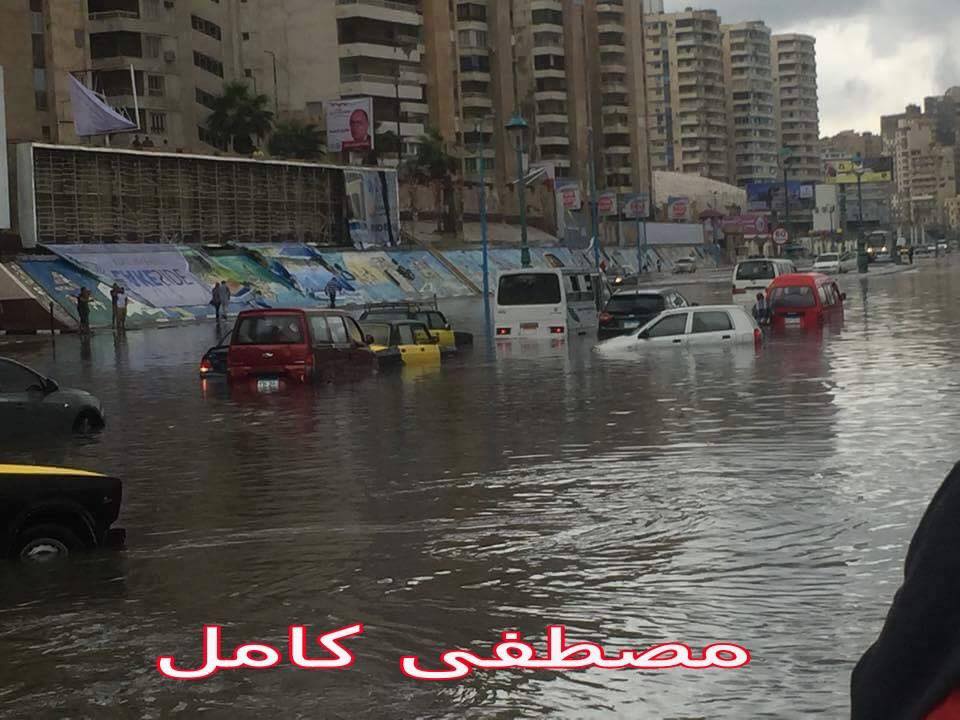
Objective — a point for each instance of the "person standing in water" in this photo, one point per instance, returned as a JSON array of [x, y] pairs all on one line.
[[83, 310]]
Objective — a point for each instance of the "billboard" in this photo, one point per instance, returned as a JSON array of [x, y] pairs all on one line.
[[568, 195], [768, 197], [373, 208], [679, 208], [843, 172], [349, 124], [607, 205], [750, 225]]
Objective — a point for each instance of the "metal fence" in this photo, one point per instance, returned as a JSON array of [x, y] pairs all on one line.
[[95, 195]]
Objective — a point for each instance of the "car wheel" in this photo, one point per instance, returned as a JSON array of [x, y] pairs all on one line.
[[46, 543], [87, 423]]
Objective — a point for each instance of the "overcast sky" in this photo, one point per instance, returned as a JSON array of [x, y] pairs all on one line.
[[873, 56]]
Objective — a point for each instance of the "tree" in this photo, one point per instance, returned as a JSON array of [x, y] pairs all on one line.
[[238, 116], [295, 140], [434, 166]]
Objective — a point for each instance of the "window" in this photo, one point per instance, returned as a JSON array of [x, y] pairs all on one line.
[[45, 131], [205, 62], [248, 72], [549, 62], [152, 46], [39, 56], [800, 296], [470, 11], [529, 289], [15, 378], [79, 38], [245, 36], [758, 270], [269, 330], [320, 329], [669, 327], [155, 85], [547, 17], [204, 98], [337, 330], [474, 63], [405, 335], [636, 304], [707, 322], [151, 9], [205, 26], [158, 123], [353, 330]]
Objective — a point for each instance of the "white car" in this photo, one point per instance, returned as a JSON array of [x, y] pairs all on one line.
[[835, 263], [692, 326], [684, 265]]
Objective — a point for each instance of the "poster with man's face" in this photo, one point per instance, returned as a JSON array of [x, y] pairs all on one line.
[[350, 124]]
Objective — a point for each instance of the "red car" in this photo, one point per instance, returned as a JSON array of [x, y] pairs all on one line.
[[804, 300], [297, 346]]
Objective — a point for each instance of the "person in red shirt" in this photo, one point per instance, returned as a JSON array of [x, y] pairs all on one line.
[[912, 671]]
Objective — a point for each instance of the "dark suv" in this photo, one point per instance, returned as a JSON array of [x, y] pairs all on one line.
[[628, 310], [50, 513]]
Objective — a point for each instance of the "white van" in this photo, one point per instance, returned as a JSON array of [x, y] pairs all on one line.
[[548, 303], [755, 275]]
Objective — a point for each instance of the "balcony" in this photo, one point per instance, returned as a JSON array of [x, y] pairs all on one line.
[[476, 99], [378, 50], [561, 118], [552, 140], [407, 129], [379, 86], [539, 95], [382, 10]]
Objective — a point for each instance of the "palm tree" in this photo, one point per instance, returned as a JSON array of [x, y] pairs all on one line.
[[295, 140], [434, 166], [238, 116]]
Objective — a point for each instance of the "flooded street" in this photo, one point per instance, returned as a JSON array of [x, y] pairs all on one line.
[[718, 496]]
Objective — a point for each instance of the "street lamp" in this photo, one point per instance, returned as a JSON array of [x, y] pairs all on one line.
[[863, 262], [517, 126]]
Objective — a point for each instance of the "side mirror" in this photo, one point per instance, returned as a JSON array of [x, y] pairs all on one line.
[[645, 335], [843, 296], [50, 386], [369, 339], [694, 304]]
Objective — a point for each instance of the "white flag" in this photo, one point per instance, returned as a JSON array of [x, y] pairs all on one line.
[[91, 115]]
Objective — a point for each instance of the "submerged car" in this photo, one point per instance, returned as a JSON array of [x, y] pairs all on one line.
[[214, 361], [691, 326], [835, 263], [30, 402], [429, 315], [804, 300], [629, 310], [296, 346], [685, 265], [403, 343], [51, 513]]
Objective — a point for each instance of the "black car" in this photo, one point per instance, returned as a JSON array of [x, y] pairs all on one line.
[[30, 403], [50, 513], [214, 361], [629, 310]]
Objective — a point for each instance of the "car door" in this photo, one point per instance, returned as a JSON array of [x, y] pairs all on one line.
[[668, 330], [342, 345], [361, 356], [22, 406], [325, 354], [712, 327]]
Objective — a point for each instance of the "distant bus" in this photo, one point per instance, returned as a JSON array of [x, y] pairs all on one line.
[[879, 242], [548, 304]]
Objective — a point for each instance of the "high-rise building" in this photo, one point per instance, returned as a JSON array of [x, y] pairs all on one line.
[[752, 123], [925, 172], [181, 53], [305, 53], [794, 60], [686, 96], [849, 144]]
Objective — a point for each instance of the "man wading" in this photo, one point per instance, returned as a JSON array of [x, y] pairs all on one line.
[[333, 287]]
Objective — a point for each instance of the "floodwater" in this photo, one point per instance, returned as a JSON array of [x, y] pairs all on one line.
[[683, 496]]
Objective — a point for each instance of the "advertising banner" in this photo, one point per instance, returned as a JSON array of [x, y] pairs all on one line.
[[878, 170], [607, 204], [679, 207], [568, 195], [636, 207], [767, 197], [349, 124], [158, 275], [750, 225], [374, 208]]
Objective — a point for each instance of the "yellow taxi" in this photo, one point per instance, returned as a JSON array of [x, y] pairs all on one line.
[[429, 315], [401, 343]]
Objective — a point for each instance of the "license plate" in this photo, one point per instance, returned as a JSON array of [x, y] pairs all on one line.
[[529, 326], [791, 321], [268, 385], [631, 325]]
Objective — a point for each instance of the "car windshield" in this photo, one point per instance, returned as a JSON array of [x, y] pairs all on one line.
[[636, 304], [529, 289], [380, 332], [759, 270], [269, 330], [794, 296], [827, 258]]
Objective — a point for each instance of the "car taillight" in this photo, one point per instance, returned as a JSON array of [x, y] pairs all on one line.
[[205, 366], [605, 318], [738, 291], [557, 330], [503, 331], [757, 336]]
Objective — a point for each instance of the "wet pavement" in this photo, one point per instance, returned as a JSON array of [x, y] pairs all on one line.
[[681, 496]]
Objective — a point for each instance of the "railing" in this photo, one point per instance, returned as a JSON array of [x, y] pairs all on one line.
[[114, 14], [402, 7], [385, 79]]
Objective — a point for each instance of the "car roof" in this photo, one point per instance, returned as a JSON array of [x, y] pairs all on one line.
[[645, 291], [700, 308], [391, 323], [803, 279], [272, 312]]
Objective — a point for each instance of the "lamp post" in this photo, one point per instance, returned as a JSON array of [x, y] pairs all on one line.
[[481, 161], [517, 126], [863, 262]]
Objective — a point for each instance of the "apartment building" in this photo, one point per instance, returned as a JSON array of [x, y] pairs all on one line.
[[752, 123], [305, 53], [925, 172], [794, 60], [181, 52], [686, 94]]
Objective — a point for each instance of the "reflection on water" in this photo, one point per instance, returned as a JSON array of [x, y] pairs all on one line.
[[697, 496]]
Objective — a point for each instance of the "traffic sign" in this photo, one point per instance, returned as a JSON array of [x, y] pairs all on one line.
[[781, 236]]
